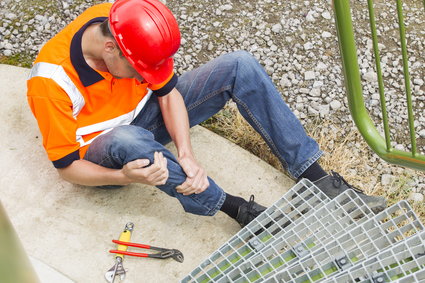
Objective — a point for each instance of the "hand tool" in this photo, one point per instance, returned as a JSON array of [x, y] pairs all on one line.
[[118, 268], [163, 253]]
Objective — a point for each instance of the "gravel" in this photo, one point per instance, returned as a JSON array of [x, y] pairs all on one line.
[[295, 41]]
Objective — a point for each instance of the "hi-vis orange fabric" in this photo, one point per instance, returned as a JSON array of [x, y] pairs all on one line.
[[74, 103]]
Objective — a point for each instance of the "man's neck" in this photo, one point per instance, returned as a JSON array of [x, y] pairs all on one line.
[[92, 46]]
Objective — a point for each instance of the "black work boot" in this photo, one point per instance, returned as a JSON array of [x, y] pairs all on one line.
[[248, 211], [333, 185]]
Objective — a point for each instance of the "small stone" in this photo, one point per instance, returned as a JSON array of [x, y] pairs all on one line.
[[335, 105], [309, 75], [326, 34], [10, 16], [308, 46], [310, 17], [416, 197], [285, 82], [210, 46], [387, 179], [315, 92], [39, 18], [7, 52], [326, 15], [323, 110], [226, 7], [321, 66], [311, 111], [370, 76], [317, 84], [277, 28], [419, 82]]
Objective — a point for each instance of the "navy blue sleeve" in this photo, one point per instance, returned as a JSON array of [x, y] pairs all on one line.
[[167, 87], [67, 160]]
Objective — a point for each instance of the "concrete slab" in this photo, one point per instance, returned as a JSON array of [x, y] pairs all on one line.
[[70, 227]]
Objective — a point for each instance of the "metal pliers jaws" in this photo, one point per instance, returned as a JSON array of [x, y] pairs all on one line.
[[163, 253]]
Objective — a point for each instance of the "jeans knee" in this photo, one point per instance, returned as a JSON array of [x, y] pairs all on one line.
[[247, 66], [127, 135], [132, 141], [241, 57], [246, 59]]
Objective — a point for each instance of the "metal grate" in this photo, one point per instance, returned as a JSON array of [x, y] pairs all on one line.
[[302, 238], [298, 202], [401, 263], [391, 226], [305, 237]]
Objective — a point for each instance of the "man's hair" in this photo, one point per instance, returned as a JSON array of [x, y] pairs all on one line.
[[104, 27], [106, 31]]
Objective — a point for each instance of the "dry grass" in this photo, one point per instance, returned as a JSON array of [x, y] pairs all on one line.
[[348, 155]]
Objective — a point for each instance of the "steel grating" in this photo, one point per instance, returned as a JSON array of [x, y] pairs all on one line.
[[298, 202], [389, 227], [342, 213], [404, 263], [306, 237]]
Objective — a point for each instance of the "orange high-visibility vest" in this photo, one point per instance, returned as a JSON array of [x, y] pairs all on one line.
[[72, 102]]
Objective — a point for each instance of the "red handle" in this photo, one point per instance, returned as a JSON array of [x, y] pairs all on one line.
[[131, 244], [129, 253]]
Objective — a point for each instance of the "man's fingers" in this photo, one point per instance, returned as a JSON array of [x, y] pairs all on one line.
[[144, 171], [138, 163], [158, 170], [185, 188], [162, 160], [205, 184], [188, 170], [197, 181], [201, 182], [194, 185]]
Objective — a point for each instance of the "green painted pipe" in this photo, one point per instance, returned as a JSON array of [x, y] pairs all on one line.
[[14, 264], [356, 103]]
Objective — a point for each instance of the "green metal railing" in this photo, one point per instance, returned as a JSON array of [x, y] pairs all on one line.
[[379, 144]]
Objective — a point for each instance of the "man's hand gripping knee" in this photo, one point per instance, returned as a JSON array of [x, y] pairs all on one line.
[[196, 181], [155, 174]]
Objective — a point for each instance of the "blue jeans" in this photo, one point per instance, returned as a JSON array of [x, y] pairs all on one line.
[[237, 76]]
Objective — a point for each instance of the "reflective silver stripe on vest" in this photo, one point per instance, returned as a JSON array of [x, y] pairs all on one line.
[[58, 74], [108, 125]]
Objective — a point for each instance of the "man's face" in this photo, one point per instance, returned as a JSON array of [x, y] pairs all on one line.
[[119, 67]]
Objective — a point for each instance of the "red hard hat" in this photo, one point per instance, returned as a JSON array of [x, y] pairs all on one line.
[[148, 36]]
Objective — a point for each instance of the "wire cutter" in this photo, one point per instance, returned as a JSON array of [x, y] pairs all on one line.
[[118, 269], [162, 253]]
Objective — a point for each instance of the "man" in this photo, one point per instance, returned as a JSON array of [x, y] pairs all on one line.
[[106, 100]]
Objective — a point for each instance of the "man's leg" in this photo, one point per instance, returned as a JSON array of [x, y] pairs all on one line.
[[238, 76], [127, 143]]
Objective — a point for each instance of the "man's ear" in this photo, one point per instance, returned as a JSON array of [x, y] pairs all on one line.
[[110, 46]]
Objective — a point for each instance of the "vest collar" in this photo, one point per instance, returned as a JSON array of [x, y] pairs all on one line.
[[88, 76]]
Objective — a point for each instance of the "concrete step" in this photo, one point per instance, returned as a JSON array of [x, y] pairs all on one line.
[[70, 227]]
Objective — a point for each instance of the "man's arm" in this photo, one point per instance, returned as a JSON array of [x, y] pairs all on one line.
[[87, 173], [177, 123]]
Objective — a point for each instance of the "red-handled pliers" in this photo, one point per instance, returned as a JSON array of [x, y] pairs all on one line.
[[163, 253]]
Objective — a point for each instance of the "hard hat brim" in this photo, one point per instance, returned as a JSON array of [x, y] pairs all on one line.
[[157, 74]]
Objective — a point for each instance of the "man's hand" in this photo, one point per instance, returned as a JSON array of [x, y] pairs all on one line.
[[196, 181], [154, 175]]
